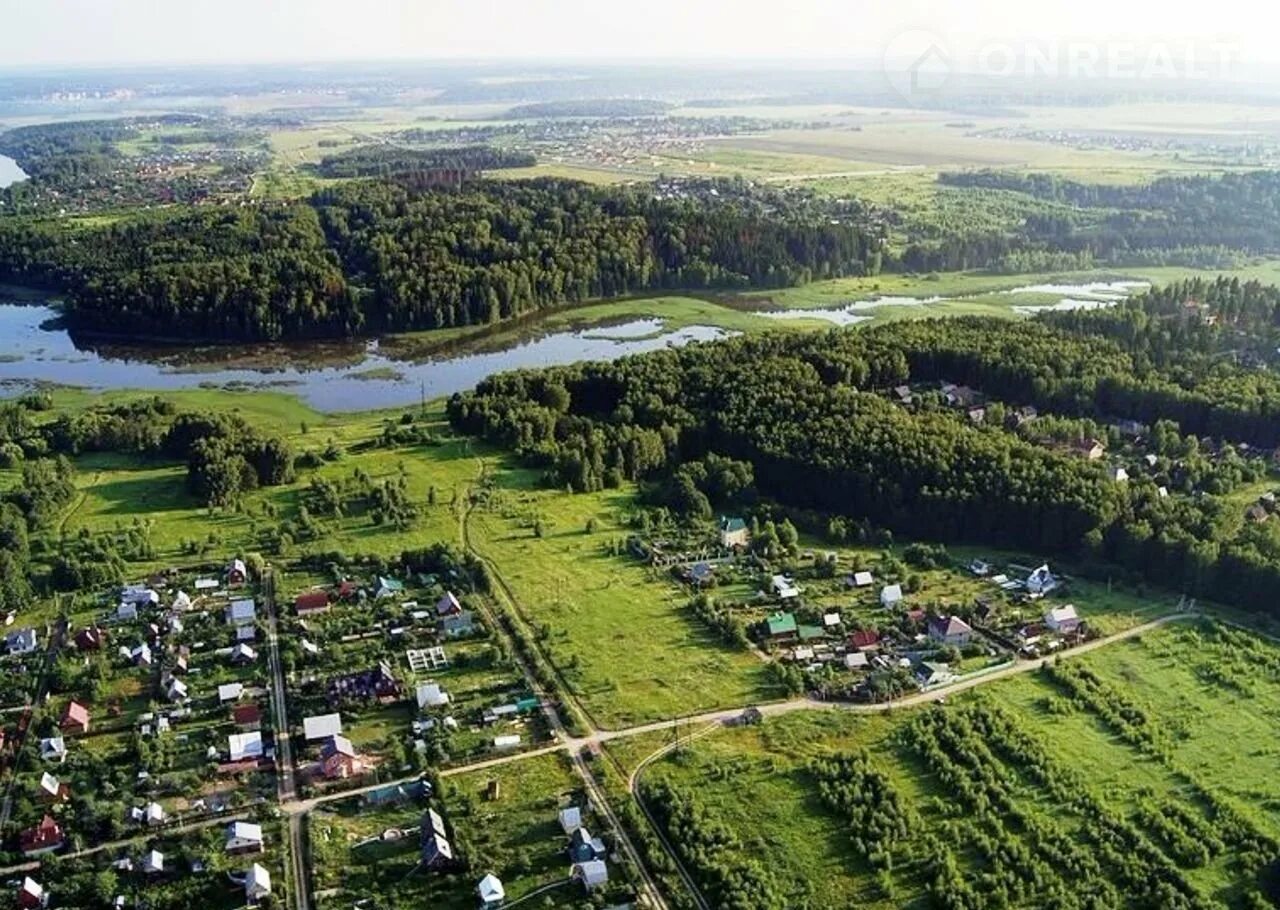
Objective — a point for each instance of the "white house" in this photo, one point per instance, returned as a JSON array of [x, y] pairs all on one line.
[[31, 894], [153, 862], [592, 874], [177, 690], [53, 749], [153, 814], [182, 601], [856, 660], [431, 695], [570, 819], [126, 612], [242, 612], [830, 620], [490, 891], [509, 741], [890, 595], [1063, 620], [863, 579], [257, 884], [321, 726], [784, 587], [1041, 581], [243, 746], [230, 692]]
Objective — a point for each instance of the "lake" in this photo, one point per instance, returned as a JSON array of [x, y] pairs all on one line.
[[330, 376], [10, 173]]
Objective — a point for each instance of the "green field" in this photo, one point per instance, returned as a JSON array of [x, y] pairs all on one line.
[[1197, 690]]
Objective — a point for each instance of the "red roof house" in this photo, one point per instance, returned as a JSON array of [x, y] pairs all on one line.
[[75, 719], [44, 837], [865, 640], [247, 717], [311, 602]]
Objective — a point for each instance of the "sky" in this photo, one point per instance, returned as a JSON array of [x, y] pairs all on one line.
[[92, 32]]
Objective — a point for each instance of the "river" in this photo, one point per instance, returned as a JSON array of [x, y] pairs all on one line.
[[10, 173], [330, 376]]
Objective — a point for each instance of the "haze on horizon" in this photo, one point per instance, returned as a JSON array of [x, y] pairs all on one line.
[[67, 33]]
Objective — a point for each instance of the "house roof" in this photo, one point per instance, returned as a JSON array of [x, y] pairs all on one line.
[[782, 624], [311, 600], [230, 691], [244, 745], [891, 592], [447, 604], [948, 626], [246, 714], [855, 659], [1062, 614], [431, 695], [322, 726], [490, 889], [730, 524], [570, 819], [864, 638], [338, 745], [257, 881], [831, 619], [593, 872], [246, 831], [862, 579], [76, 713]]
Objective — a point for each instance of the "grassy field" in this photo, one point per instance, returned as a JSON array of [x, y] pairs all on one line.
[[623, 639], [514, 835], [1197, 690]]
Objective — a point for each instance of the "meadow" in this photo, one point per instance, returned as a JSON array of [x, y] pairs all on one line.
[[1197, 685]]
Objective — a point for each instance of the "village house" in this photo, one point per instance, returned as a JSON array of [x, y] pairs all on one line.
[[583, 847], [242, 612], [311, 602], [338, 759], [139, 596], [51, 790], [459, 625], [24, 641], [503, 743], [734, 533], [865, 640], [890, 595], [863, 579], [90, 639], [932, 673], [257, 884], [53, 749], [437, 853], [30, 894], [321, 727], [1062, 620], [784, 587], [242, 654], [856, 660], [388, 587], [1118, 474], [1091, 449], [230, 692], [247, 718], [1041, 581], [570, 819], [44, 837], [244, 837], [176, 690], [490, 891], [153, 863], [950, 630], [782, 626], [376, 684], [592, 874], [448, 605], [181, 602], [237, 573], [203, 585], [244, 746], [75, 719], [431, 695], [127, 613]]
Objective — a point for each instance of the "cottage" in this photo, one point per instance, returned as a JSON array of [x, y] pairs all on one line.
[[389, 587], [890, 595], [230, 692], [931, 673], [830, 620], [44, 837], [244, 746], [311, 602], [153, 863], [459, 625], [30, 894], [1063, 620], [950, 630], [1091, 449], [247, 718], [177, 690], [181, 602], [376, 684], [90, 639], [865, 640], [431, 695], [856, 660], [257, 884], [784, 587], [734, 533], [322, 726], [502, 743], [570, 819], [448, 605], [338, 759], [237, 572], [437, 853], [24, 641], [863, 579], [593, 874], [490, 891], [782, 626], [153, 814], [1041, 581], [242, 612], [75, 719], [54, 749], [51, 790], [1118, 474], [244, 837], [242, 654]]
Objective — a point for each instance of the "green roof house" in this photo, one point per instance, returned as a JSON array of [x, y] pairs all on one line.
[[733, 532], [782, 626]]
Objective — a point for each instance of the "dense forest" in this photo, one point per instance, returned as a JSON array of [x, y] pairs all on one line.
[[811, 417], [383, 161], [385, 255]]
